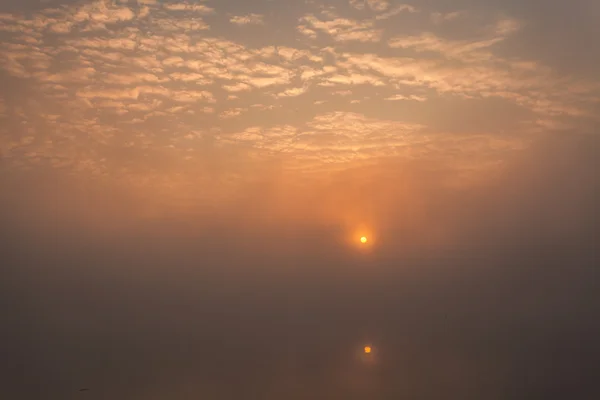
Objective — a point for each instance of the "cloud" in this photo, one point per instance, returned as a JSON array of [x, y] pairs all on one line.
[[105, 12], [114, 94], [198, 8], [481, 74], [375, 5], [338, 138], [304, 30], [402, 97], [378, 5], [276, 139], [179, 24], [250, 19], [464, 49], [397, 10], [190, 77], [358, 4], [439, 18], [343, 30], [292, 92], [450, 49], [353, 79], [239, 87], [234, 112]]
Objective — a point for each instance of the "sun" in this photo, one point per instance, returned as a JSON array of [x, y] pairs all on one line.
[[363, 239], [368, 349]]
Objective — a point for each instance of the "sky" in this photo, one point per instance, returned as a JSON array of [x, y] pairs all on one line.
[[184, 186]]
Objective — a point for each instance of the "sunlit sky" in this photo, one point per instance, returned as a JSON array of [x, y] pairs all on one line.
[[173, 96], [184, 187]]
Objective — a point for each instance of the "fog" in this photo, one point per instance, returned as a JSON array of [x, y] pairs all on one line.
[[487, 290]]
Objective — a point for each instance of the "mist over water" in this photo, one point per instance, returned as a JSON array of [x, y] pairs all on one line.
[[491, 292]]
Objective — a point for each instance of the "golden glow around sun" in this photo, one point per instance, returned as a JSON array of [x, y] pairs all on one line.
[[368, 349], [362, 237]]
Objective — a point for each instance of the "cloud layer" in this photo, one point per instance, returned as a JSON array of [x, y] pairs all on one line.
[[93, 80]]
